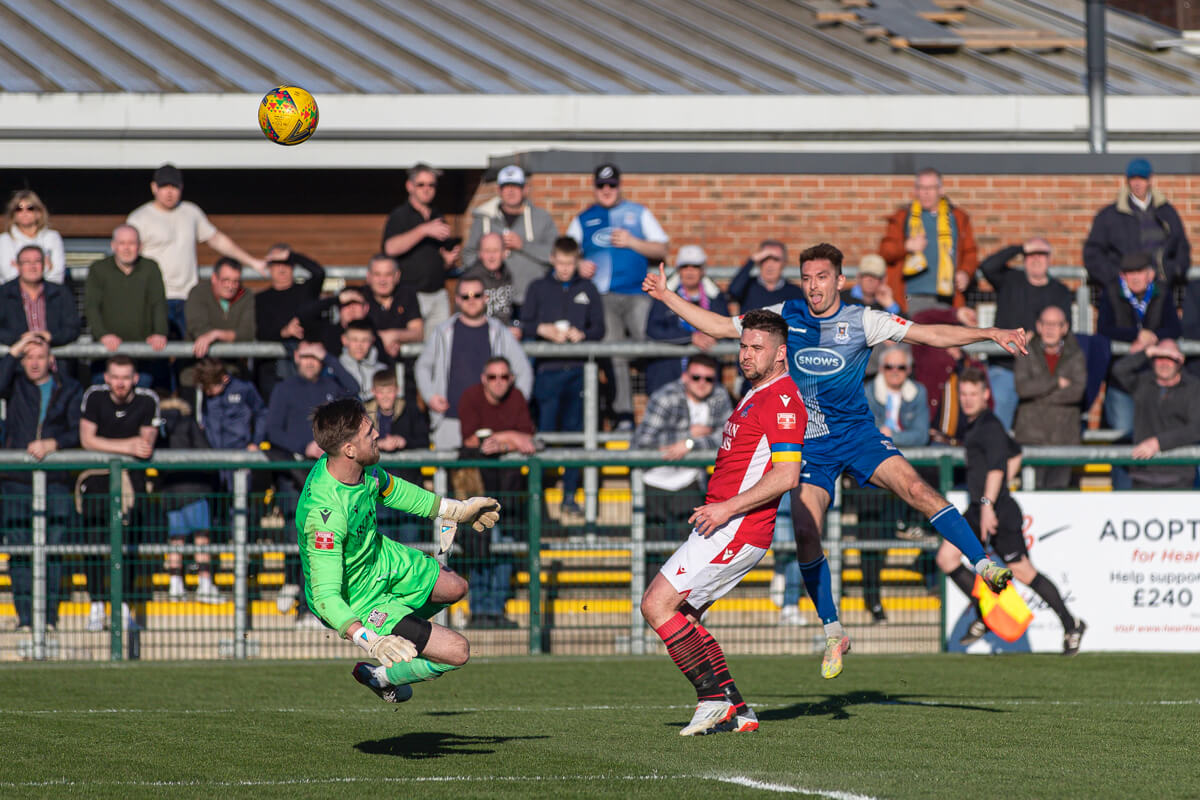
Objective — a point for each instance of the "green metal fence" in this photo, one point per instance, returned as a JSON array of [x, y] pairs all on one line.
[[546, 581]]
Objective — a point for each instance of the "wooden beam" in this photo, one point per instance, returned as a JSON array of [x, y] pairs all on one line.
[[1031, 43], [943, 16], [837, 16]]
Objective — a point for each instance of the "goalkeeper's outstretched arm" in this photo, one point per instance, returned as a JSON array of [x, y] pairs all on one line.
[[715, 325]]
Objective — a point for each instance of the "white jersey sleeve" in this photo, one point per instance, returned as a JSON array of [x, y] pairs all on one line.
[[880, 326], [737, 321], [575, 230], [651, 230]]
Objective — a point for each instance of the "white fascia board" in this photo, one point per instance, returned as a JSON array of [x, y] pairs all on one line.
[[233, 114], [463, 131]]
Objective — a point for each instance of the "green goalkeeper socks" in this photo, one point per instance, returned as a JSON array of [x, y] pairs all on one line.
[[415, 671]]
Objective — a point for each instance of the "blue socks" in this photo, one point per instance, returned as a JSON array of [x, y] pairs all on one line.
[[817, 584], [955, 530]]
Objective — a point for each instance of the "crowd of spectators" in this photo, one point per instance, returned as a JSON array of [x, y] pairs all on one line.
[[516, 279]]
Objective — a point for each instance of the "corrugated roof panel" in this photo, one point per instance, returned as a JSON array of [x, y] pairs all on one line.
[[56, 67], [567, 42], [206, 60], [490, 42], [714, 47]]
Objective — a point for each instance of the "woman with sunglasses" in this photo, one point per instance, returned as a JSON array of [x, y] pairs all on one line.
[[29, 223]]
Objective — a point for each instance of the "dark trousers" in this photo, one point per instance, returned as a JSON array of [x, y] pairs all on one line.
[[558, 394], [18, 530], [94, 491]]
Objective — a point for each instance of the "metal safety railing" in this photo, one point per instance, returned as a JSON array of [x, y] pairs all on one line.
[[635, 542]]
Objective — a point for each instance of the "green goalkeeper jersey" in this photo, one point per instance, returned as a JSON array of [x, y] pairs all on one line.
[[344, 557]]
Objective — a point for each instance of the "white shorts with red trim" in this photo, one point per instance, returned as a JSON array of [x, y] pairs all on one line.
[[705, 570]]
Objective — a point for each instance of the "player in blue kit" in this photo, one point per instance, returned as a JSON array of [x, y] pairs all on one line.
[[829, 344]]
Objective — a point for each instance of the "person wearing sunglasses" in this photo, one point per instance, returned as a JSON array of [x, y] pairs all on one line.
[[685, 415], [619, 240], [27, 222], [900, 406], [419, 238], [454, 357], [495, 420]]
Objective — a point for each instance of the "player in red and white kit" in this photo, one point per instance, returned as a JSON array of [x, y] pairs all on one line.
[[758, 461]]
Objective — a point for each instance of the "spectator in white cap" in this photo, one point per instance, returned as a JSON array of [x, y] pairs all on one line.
[[870, 289], [664, 325], [527, 230]]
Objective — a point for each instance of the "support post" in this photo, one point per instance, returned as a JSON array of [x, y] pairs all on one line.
[[116, 564], [38, 500], [591, 439], [637, 562], [535, 555], [241, 561]]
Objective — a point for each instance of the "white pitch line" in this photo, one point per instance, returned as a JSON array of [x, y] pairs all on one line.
[[783, 788], [569, 709]]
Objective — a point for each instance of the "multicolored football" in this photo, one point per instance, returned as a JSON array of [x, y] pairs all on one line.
[[287, 115]]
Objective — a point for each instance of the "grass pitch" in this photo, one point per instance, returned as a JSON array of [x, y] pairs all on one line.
[[890, 727]]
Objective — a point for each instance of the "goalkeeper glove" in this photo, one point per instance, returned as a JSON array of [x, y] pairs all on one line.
[[481, 512], [387, 650]]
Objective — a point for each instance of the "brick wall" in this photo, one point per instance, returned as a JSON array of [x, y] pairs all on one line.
[[729, 214]]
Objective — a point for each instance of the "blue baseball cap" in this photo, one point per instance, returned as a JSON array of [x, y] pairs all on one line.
[[1138, 168]]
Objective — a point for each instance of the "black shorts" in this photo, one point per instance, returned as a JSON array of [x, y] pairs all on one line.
[[1009, 539]]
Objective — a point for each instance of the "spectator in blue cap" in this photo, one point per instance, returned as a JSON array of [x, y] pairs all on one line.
[[1141, 221]]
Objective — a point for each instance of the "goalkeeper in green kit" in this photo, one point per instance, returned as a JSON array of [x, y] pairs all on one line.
[[373, 591]]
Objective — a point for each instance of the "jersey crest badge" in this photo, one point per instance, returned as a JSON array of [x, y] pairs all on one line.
[[746, 410], [323, 540], [785, 421], [842, 334], [376, 617]]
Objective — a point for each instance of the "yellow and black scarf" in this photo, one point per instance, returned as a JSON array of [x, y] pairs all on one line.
[[916, 263]]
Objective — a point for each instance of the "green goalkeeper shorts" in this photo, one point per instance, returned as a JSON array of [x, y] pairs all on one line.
[[401, 587]]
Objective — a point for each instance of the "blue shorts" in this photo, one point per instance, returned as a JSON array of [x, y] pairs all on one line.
[[858, 448], [189, 519]]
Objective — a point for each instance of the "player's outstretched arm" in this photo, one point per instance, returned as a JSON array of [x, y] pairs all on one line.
[[1014, 340], [715, 325], [782, 477]]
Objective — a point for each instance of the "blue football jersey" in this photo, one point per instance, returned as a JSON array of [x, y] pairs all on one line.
[[827, 357]]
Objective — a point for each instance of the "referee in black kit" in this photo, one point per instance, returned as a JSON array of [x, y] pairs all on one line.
[[993, 460]]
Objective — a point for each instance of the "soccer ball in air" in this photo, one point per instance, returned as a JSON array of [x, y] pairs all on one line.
[[287, 115]]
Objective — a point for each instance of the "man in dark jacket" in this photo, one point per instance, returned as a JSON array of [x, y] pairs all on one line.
[[760, 282], [29, 303], [562, 307], [1138, 309], [1141, 221], [1166, 403], [1020, 297], [276, 309], [43, 416]]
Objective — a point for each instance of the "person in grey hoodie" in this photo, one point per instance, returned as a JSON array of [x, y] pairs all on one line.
[[529, 231]]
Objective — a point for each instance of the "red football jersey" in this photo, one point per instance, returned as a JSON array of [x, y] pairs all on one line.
[[766, 427]]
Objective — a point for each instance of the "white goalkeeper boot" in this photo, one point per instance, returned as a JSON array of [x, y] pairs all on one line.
[[709, 714]]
